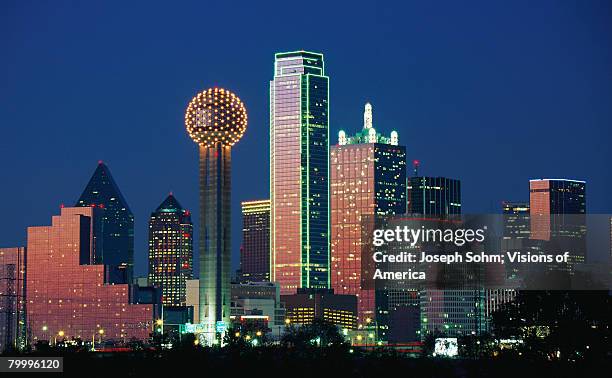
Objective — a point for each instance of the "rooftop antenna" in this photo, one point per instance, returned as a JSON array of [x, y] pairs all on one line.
[[415, 165]]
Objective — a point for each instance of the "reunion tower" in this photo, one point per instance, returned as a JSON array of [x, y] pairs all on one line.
[[215, 119]]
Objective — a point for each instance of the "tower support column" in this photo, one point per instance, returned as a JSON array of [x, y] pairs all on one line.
[[214, 236]]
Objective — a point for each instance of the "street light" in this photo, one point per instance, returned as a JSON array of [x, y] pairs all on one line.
[[287, 321], [44, 333], [60, 334], [370, 336], [93, 339], [368, 321]]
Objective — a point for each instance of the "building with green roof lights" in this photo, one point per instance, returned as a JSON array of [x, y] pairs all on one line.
[[299, 168]]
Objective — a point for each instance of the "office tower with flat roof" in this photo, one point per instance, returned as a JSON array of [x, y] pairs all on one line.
[[299, 161], [367, 177], [115, 247], [436, 196], [307, 305], [215, 119], [12, 299], [558, 219], [255, 249], [558, 207], [67, 296], [171, 251], [516, 233], [451, 312]]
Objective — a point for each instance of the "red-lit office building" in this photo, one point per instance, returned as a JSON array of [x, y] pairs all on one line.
[[66, 296], [556, 206], [299, 164], [368, 176]]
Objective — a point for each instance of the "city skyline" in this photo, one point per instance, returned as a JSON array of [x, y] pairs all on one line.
[[363, 188], [129, 147]]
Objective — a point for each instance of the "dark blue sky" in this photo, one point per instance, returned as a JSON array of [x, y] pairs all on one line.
[[493, 93]]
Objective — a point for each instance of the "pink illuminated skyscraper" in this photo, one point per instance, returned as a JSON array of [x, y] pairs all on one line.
[[67, 296], [368, 177], [556, 206], [299, 179]]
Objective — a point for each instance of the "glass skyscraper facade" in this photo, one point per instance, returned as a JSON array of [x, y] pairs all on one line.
[[558, 217], [367, 177], [550, 200], [255, 249], [299, 160], [516, 231], [171, 251], [516, 220], [436, 196], [453, 313], [115, 247], [450, 312], [69, 299]]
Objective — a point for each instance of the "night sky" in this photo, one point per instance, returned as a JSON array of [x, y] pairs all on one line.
[[492, 93]]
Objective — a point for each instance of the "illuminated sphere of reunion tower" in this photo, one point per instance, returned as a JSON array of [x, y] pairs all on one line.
[[215, 119], [216, 115]]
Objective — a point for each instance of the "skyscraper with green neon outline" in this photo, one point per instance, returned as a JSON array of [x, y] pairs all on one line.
[[299, 172]]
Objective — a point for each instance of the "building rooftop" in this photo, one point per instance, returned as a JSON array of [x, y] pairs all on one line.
[[368, 134], [569, 180], [169, 205]]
